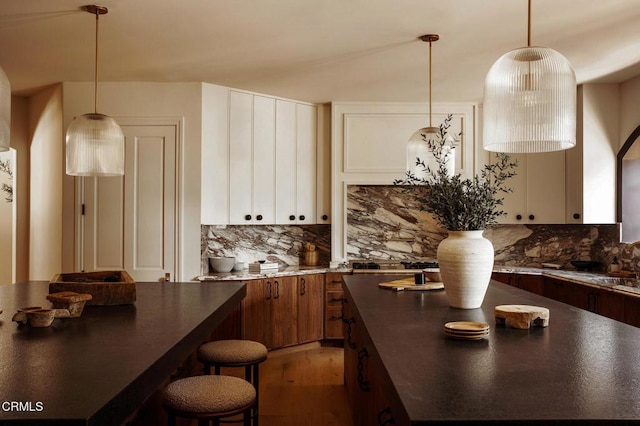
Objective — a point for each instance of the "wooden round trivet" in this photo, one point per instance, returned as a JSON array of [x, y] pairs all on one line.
[[521, 316]]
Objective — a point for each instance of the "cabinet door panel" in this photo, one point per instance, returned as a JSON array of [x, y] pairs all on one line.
[[632, 310], [545, 187], [284, 312], [310, 308], [264, 160], [610, 305], [240, 157], [306, 163], [532, 283], [515, 201], [538, 189], [256, 312], [285, 162], [333, 323]]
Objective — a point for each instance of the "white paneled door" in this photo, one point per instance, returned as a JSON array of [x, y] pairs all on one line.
[[129, 222]]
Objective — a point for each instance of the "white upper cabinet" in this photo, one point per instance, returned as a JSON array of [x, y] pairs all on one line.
[[251, 159], [285, 162], [265, 162], [538, 189], [306, 163], [323, 162], [295, 163], [591, 165], [215, 155]]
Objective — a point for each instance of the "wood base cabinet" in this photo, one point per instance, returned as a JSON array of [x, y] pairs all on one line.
[[333, 295], [283, 311], [310, 296], [532, 283], [269, 312], [361, 376]]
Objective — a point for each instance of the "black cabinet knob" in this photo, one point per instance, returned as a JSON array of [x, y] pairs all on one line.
[[247, 217], [576, 215], [259, 217], [292, 217], [325, 217], [531, 217], [519, 217], [301, 217]]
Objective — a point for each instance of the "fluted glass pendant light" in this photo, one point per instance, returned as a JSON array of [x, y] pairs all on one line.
[[5, 111], [95, 142], [530, 101], [418, 146]]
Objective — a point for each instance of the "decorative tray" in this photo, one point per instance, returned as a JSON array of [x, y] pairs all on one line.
[[105, 287]]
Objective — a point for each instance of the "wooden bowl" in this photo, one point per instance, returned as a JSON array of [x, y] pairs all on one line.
[[69, 300], [40, 317]]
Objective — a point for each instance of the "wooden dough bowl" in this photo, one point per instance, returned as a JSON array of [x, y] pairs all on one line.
[[521, 316], [105, 287]]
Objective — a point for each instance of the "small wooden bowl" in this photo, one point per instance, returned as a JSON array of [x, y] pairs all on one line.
[[40, 317], [21, 315], [69, 300]]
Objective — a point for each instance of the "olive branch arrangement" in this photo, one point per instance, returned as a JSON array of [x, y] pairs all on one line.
[[460, 204]]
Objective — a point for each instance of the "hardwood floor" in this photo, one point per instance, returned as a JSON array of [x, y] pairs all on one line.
[[304, 388], [299, 386]]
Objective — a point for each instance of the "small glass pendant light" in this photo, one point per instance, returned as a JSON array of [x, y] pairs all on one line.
[[530, 101], [5, 112], [418, 147], [95, 142]]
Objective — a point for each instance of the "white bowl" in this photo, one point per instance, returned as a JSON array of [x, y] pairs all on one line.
[[222, 264], [239, 266]]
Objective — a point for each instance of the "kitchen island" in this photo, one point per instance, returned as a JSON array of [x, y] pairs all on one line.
[[583, 368], [99, 368]]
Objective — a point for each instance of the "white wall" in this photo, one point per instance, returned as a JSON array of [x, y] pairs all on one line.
[[6, 222], [46, 159], [134, 99], [20, 141], [629, 107]]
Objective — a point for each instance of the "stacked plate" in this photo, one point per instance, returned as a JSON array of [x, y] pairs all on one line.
[[466, 330]]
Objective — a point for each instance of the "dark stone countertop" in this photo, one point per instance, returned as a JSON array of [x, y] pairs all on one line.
[[583, 368], [629, 286], [97, 369]]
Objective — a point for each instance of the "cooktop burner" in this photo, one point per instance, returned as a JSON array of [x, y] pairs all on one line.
[[419, 265], [365, 265], [394, 265]]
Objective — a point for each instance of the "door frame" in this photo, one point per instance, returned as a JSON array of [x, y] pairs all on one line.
[[178, 124]]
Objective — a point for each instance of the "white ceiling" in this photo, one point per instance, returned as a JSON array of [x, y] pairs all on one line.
[[313, 50]]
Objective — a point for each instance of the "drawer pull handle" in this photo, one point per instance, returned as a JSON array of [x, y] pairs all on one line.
[[389, 420], [335, 318], [362, 383], [350, 321]]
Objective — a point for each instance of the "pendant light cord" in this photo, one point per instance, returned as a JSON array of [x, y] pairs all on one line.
[[529, 25], [430, 43], [95, 84]]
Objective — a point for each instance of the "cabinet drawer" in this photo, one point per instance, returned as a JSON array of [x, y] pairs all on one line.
[[333, 323], [333, 281], [333, 299]]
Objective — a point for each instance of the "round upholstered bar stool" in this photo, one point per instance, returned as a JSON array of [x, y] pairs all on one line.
[[235, 353], [207, 398]]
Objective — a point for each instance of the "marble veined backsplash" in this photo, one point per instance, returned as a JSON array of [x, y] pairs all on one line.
[[283, 244], [383, 222]]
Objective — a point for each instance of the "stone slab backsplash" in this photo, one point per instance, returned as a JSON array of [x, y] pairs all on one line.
[[383, 222], [283, 244]]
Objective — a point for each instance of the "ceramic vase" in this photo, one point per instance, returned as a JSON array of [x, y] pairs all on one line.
[[466, 262]]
